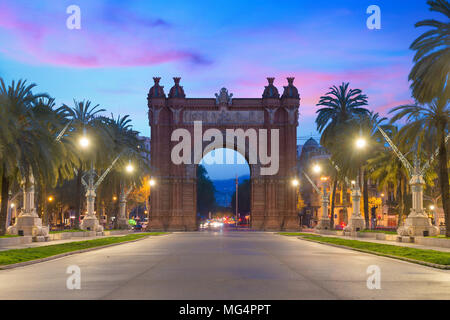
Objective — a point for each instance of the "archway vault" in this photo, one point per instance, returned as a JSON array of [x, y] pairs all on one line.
[[173, 201]]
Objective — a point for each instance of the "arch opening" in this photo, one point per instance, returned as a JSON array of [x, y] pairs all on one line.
[[217, 173]]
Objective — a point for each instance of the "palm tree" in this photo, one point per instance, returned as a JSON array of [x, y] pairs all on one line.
[[125, 142], [340, 105], [429, 75], [423, 121], [351, 161], [62, 158], [20, 135], [388, 171], [83, 117]]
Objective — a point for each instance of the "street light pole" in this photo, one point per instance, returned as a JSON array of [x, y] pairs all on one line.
[[417, 223], [324, 220], [356, 222], [122, 220], [90, 221]]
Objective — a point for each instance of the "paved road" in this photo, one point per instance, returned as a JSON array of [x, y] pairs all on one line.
[[233, 265]]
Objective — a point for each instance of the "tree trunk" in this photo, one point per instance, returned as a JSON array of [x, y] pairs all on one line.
[[4, 203], [44, 205], [443, 179], [333, 199], [78, 206], [344, 203], [400, 202], [366, 199]]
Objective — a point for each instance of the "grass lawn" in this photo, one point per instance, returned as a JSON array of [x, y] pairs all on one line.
[[68, 230], [433, 256], [294, 234], [379, 231], [27, 254], [9, 236], [441, 236]]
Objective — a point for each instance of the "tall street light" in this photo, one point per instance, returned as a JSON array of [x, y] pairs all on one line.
[[122, 221], [324, 220], [417, 223], [357, 221]]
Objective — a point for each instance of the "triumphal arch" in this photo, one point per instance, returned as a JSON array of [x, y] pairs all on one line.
[[262, 129]]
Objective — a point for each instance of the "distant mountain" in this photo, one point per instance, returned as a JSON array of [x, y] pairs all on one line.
[[225, 189]]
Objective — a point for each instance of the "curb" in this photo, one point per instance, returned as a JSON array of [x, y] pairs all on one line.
[[61, 255], [424, 263]]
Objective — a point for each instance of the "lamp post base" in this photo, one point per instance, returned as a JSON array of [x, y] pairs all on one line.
[[323, 224], [418, 225], [28, 225], [356, 224], [91, 223]]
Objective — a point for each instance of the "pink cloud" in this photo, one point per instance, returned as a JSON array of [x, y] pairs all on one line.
[[386, 87], [90, 47]]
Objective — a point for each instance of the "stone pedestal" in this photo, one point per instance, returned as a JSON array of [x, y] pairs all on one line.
[[357, 222], [324, 221], [28, 225], [90, 221], [417, 223], [28, 222], [122, 221], [323, 224], [418, 226]]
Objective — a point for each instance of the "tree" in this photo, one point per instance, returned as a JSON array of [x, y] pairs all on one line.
[[83, 117], [339, 106], [389, 172], [429, 75], [206, 200], [20, 139], [421, 122]]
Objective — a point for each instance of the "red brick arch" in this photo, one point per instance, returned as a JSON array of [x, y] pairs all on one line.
[[173, 199]]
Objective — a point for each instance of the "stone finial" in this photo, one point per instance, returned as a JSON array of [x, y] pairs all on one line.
[[270, 90], [290, 91], [177, 91], [156, 91]]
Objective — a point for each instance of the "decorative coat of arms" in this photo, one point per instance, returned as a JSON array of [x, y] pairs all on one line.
[[224, 97]]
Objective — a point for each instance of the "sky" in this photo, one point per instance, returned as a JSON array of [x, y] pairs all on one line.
[[211, 44]]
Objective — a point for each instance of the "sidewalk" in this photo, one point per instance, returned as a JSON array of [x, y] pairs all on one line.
[[49, 243], [394, 243]]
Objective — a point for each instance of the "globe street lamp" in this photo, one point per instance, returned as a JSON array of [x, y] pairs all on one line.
[[84, 142], [129, 168], [361, 143], [317, 168]]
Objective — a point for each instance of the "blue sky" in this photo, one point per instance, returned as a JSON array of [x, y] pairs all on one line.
[[122, 44]]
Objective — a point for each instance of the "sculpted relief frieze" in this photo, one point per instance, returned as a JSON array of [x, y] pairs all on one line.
[[224, 117]]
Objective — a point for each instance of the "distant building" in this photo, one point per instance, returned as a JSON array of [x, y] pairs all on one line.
[[307, 155], [146, 141], [382, 212]]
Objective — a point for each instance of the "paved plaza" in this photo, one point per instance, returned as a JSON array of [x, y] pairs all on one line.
[[224, 265]]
